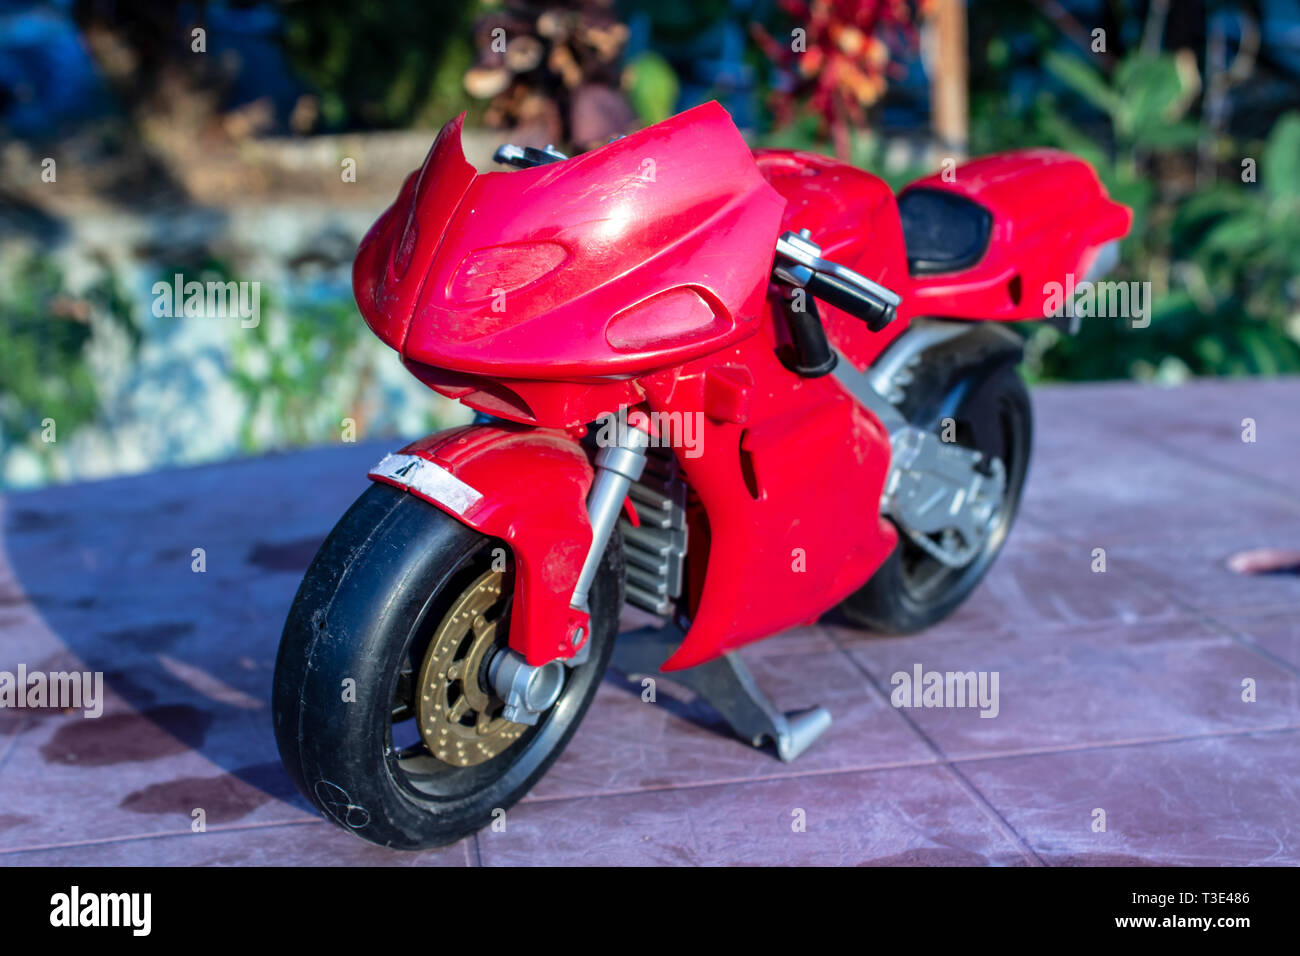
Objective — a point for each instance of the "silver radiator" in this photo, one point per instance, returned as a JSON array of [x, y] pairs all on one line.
[[656, 551]]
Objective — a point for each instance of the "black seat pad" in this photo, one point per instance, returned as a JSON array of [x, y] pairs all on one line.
[[943, 231]]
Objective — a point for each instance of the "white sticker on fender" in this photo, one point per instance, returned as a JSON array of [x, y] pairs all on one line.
[[429, 480]]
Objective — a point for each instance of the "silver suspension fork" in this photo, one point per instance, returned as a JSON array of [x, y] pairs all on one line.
[[528, 690], [617, 466]]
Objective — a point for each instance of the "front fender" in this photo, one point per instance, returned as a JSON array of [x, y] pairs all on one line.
[[528, 487]]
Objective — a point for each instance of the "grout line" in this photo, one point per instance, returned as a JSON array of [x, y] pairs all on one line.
[[1208, 619], [950, 763], [731, 781], [1125, 743], [1136, 571], [131, 837], [1278, 489], [1251, 645], [943, 759], [972, 792]]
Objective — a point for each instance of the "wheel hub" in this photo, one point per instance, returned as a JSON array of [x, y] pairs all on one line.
[[459, 716], [940, 497]]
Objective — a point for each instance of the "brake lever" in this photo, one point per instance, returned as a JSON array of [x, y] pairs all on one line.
[[799, 262]]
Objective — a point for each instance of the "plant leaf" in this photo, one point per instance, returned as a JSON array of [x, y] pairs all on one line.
[[1280, 170], [1084, 80]]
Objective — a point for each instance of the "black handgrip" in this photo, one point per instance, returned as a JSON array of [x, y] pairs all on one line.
[[812, 353], [876, 312]]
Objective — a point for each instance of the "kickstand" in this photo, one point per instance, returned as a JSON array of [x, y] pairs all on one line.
[[727, 685]]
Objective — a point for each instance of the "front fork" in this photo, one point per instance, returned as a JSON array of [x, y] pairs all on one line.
[[617, 466], [527, 690]]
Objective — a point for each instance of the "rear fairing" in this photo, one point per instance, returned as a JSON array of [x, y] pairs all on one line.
[[1050, 218]]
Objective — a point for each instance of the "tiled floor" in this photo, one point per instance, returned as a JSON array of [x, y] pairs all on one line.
[[1120, 693]]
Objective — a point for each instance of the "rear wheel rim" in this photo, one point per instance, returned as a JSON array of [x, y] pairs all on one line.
[[924, 577]]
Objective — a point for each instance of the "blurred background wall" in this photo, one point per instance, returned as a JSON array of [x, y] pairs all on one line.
[[256, 141]]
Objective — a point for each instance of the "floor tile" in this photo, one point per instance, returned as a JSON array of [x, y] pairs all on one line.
[[1120, 690], [915, 815], [627, 744], [1077, 687], [314, 843], [1226, 800]]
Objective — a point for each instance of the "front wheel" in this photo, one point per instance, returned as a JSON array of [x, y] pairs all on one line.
[[913, 590], [384, 714]]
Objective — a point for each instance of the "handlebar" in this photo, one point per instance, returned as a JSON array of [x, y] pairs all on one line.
[[799, 263], [526, 157]]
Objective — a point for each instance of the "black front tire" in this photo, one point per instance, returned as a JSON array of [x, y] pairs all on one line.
[[381, 581], [911, 591]]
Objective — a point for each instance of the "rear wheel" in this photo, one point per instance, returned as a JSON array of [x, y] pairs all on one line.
[[384, 714], [913, 590]]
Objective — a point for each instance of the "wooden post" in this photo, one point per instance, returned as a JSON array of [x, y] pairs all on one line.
[[949, 95]]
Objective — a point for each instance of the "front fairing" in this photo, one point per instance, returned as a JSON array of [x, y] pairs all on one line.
[[393, 258], [643, 253]]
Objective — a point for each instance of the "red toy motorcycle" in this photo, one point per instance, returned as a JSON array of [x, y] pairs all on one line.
[[734, 389]]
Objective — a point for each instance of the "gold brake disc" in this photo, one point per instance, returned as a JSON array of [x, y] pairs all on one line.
[[460, 722]]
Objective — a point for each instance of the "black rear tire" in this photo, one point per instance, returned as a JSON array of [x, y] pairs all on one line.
[[912, 591], [380, 583]]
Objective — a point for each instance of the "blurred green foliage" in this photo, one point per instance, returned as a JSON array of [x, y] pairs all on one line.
[[1216, 228], [652, 87], [383, 65], [308, 364], [47, 334], [301, 373], [1221, 256]]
